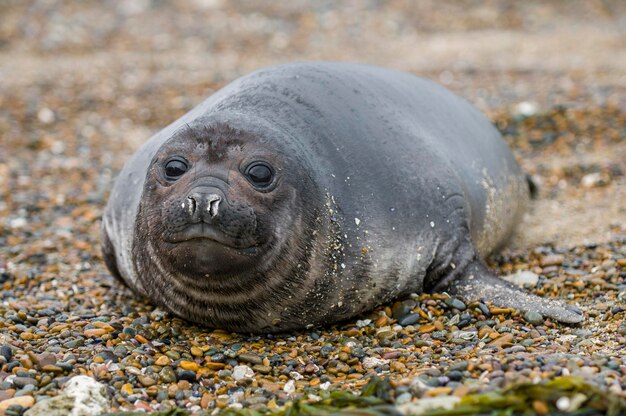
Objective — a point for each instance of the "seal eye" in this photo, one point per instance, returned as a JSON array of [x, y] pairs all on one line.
[[175, 168], [260, 174]]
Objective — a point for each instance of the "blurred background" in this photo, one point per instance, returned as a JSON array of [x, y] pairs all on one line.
[[84, 83]]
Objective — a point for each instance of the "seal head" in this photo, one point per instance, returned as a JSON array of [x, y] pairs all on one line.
[[220, 224]]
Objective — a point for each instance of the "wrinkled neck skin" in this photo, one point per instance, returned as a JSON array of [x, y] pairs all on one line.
[[268, 292]]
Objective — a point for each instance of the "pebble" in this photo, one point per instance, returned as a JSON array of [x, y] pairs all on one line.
[[242, 371], [410, 319], [189, 365], [455, 303], [162, 361], [523, 278], [533, 317], [167, 375], [20, 382], [250, 358], [6, 352], [551, 260], [24, 401], [373, 362], [503, 341]]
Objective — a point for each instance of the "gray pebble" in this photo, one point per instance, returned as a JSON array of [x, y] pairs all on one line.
[[533, 317]]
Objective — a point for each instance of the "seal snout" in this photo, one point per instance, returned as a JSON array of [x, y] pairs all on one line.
[[203, 206]]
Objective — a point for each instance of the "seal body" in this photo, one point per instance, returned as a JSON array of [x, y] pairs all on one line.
[[308, 193]]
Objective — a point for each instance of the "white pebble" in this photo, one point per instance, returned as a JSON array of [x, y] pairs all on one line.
[[290, 387], [526, 108], [242, 371], [373, 362], [45, 115], [523, 277]]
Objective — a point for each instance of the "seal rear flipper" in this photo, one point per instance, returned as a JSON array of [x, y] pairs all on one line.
[[478, 282]]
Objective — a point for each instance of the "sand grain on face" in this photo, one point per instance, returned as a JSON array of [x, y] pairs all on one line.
[[84, 84]]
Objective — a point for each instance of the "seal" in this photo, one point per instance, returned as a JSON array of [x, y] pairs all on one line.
[[309, 193]]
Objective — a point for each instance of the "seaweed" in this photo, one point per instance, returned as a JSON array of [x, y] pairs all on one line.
[[560, 396]]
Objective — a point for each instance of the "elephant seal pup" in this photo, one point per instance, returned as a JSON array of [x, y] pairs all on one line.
[[306, 194]]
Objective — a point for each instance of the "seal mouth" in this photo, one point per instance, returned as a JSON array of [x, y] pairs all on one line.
[[203, 232]]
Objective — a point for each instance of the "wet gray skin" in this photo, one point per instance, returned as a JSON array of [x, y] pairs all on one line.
[[307, 194]]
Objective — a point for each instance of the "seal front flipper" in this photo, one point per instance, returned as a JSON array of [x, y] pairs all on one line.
[[478, 282]]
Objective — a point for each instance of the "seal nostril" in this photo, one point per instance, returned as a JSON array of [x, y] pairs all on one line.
[[213, 204], [192, 205]]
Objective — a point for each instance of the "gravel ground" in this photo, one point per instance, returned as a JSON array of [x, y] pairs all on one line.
[[83, 84]]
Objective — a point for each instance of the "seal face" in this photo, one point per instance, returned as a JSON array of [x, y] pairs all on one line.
[[208, 211], [215, 220], [306, 194]]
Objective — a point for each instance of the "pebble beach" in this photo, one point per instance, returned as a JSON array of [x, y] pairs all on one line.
[[83, 84]]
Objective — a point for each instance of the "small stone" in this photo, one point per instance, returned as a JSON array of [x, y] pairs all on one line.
[[402, 309], [45, 115], [126, 389], [551, 260], [162, 361], [263, 369], [20, 382], [189, 365], [83, 395], [186, 375], [385, 333], [221, 401], [425, 329], [196, 352], [591, 180], [26, 390], [215, 366], [373, 362], [410, 319], [455, 304], [484, 309], [523, 278], [250, 358], [146, 381], [95, 332], [403, 398], [205, 400], [167, 375], [6, 352], [242, 371], [540, 407], [438, 391], [52, 369], [24, 401], [290, 387], [525, 109], [533, 317], [397, 366], [65, 366], [224, 374], [503, 341], [455, 375]]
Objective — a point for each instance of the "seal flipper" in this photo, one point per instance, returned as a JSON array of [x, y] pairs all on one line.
[[478, 282], [108, 254]]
